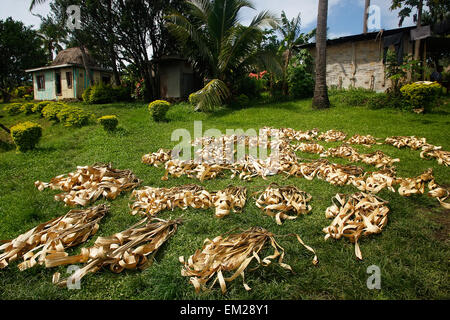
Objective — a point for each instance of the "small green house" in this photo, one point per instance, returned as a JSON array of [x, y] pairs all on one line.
[[66, 77]]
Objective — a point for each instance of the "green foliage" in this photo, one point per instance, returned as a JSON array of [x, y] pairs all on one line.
[[13, 108], [26, 135], [243, 100], [211, 96], [37, 108], [378, 101], [28, 97], [158, 110], [22, 91], [86, 95], [251, 87], [73, 116], [421, 94], [121, 93], [352, 97], [50, 111], [398, 74], [27, 108], [109, 122]]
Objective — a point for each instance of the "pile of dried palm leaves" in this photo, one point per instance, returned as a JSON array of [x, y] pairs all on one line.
[[157, 158], [277, 201], [232, 254], [354, 216], [290, 134], [332, 135], [133, 248], [88, 183], [364, 140], [150, 201], [377, 158], [374, 182], [343, 151], [309, 148], [52, 237], [403, 141], [443, 157]]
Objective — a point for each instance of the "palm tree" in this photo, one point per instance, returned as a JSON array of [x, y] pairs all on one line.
[[290, 31], [51, 35], [320, 100], [218, 43]]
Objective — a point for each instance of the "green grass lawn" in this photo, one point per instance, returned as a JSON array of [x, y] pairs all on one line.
[[412, 251]]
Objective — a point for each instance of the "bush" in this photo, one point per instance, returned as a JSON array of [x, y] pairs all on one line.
[[121, 94], [300, 82], [109, 122], [239, 102], [13, 108], [423, 94], [37, 108], [22, 91], [27, 108], [74, 116], [251, 87], [50, 111], [354, 96], [378, 101], [86, 94], [26, 135], [28, 97], [158, 110]]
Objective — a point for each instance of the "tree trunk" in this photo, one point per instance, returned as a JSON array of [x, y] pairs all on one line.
[[366, 15], [419, 24], [320, 100], [86, 66]]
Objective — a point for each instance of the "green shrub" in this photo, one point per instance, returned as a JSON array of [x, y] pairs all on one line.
[[251, 87], [22, 91], [353, 97], [121, 94], [74, 116], [423, 94], [13, 108], [378, 101], [158, 110], [239, 102], [109, 122], [300, 82], [193, 99], [86, 95], [37, 108], [27, 108], [101, 93], [26, 135], [50, 111]]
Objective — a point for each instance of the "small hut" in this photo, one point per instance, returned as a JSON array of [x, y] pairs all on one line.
[[66, 77]]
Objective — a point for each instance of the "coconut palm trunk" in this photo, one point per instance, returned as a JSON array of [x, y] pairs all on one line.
[[320, 100]]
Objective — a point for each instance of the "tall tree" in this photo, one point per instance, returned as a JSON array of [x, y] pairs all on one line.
[[52, 35], [216, 41], [366, 15], [320, 100], [20, 49]]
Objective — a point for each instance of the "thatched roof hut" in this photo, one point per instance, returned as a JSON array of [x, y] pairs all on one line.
[[73, 56]]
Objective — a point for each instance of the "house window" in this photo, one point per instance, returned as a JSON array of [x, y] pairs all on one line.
[[40, 80], [69, 80]]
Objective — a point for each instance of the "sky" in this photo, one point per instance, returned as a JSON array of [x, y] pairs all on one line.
[[345, 17]]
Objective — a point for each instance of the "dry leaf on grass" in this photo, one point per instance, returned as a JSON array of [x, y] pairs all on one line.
[[343, 151], [374, 182], [231, 198], [88, 183], [233, 254], [354, 216], [278, 201], [363, 140], [332, 135], [409, 186], [157, 158], [52, 237], [412, 142], [133, 248], [309, 148], [443, 157]]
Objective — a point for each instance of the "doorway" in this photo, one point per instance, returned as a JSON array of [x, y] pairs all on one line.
[[58, 83]]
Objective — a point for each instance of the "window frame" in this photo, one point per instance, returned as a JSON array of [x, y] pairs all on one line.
[[38, 76], [69, 76]]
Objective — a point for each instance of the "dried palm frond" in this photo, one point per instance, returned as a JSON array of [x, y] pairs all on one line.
[[343, 151], [404, 141], [277, 201], [233, 253], [88, 183], [376, 181], [440, 193], [378, 159], [332, 135], [157, 158], [309, 148], [52, 237], [231, 198], [364, 140], [150, 201], [290, 134], [443, 157], [133, 248], [354, 216], [409, 186]]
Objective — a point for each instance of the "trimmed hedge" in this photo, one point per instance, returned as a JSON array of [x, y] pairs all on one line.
[[37, 108], [423, 94], [50, 111], [158, 110], [109, 122], [26, 135], [101, 93], [74, 116], [13, 108], [27, 108]]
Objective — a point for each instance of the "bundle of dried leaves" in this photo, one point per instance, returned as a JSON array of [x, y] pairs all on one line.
[[309, 148], [133, 248], [412, 142], [233, 254], [52, 237], [343, 151], [378, 159], [157, 158], [409, 186], [278, 201], [443, 157], [354, 216], [364, 140], [231, 198], [374, 182], [332, 135], [88, 183]]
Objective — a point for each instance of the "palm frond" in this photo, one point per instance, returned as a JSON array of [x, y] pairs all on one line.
[[212, 95]]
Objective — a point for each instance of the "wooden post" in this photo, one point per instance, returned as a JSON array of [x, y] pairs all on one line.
[[366, 16]]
